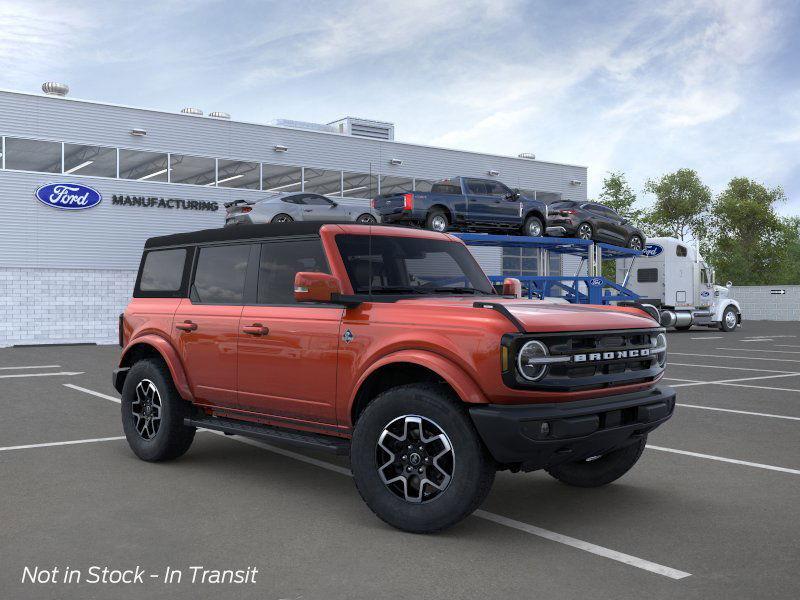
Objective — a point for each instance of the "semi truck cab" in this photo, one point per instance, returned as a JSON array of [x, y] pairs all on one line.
[[671, 275]]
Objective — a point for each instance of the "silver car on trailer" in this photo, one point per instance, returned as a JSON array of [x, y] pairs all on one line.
[[286, 207]]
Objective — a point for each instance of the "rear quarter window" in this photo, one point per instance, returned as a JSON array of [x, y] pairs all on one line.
[[220, 274], [162, 273]]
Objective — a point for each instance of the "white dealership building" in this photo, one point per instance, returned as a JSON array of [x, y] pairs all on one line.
[[65, 275]]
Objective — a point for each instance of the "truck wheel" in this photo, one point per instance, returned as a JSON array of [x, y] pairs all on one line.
[[437, 220], [533, 227], [729, 320], [417, 460], [599, 470], [153, 413]]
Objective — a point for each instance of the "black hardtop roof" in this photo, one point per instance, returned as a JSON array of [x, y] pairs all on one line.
[[241, 232]]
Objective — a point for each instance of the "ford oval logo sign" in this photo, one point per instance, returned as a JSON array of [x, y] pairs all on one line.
[[705, 294], [595, 282], [652, 250], [68, 196]]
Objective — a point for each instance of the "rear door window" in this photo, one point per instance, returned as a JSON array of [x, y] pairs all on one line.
[[220, 274], [162, 270], [281, 261]]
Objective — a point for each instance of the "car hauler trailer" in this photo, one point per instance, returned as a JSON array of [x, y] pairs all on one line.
[[672, 276]]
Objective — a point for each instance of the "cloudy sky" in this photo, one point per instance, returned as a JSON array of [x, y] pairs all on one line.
[[641, 87]]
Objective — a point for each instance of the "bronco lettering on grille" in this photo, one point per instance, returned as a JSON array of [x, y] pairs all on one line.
[[617, 354]]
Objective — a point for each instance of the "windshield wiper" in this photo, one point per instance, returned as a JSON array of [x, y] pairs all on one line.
[[457, 290]]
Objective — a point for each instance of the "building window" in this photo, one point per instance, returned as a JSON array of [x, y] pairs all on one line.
[[322, 181], [396, 185], [237, 174], [359, 185], [33, 155], [143, 166], [280, 178], [194, 170], [96, 161]]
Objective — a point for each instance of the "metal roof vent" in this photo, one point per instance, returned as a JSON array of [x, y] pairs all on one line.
[[51, 88], [219, 115], [377, 130], [192, 111], [527, 155]]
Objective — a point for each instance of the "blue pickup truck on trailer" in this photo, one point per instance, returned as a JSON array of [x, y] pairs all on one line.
[[466, 203]]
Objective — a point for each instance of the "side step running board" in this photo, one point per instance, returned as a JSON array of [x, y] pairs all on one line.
[[314, 441]]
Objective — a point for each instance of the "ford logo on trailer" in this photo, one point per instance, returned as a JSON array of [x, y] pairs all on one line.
[[596, 282], [652, 250], [68, 196]]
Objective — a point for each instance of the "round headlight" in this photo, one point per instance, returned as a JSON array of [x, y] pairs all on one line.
[[660, 346], [527, 364]]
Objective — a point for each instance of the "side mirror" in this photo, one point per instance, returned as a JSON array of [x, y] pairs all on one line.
[[512, 287], [315, 287], [334, 204]]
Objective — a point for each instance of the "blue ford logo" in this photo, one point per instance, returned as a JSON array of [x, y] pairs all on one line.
[[705, 293], [652, 250], [596, 282], [68, 196]]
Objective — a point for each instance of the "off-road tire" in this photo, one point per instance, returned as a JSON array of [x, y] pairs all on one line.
[[473, 468], [530, 223], [723, 325], [433, 217], [281, 218], [600, 471], [172, 438]]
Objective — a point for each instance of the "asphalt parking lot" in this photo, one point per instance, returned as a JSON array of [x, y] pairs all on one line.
[[711, 510]]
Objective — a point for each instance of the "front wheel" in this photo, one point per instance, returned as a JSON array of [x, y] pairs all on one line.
[[366, 219], [533, 227], [418, 461], [597, 471], [729, 320], [584, 231], [153, 413], [635, 243]]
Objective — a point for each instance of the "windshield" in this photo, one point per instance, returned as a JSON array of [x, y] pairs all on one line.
[[400, 265]]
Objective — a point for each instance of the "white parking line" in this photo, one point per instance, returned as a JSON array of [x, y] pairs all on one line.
[[31, 367], [15, 375], [67, 443], [757, 350], [728, 381], [786, 346], [92, 392], [634, 561], [708, 337], [791, 360], [758, 340], [726, 460], [739, 412], [674, 364]]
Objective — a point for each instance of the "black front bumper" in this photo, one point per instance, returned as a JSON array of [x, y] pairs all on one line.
[[535, 436]]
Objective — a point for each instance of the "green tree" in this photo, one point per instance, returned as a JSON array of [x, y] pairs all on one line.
[[681, 205], [618, 195], [749, 243]]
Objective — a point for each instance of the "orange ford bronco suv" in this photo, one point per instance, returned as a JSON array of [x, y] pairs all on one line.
[[392, 346]]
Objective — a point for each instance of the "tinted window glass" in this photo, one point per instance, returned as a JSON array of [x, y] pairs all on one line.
[[280, 262], [681, 251], [647, 275], [90, 160], [446, 188], [316, 200], [196, 170], [385, 264], [219, 278], [280, 178], [476, 186], [144, 166], [294, 199], [33, 155], [495, 188], [237, 174], [163, 270]]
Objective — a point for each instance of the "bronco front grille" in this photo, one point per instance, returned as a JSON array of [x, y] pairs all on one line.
[[592, 359]]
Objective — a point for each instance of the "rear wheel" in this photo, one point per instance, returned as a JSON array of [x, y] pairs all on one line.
[[282, 218], [417, 460], [635, 243], [533, 227], [437, 220], [584, 231], [153, 413], [600, 470], [729, 320], [366, 219]]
